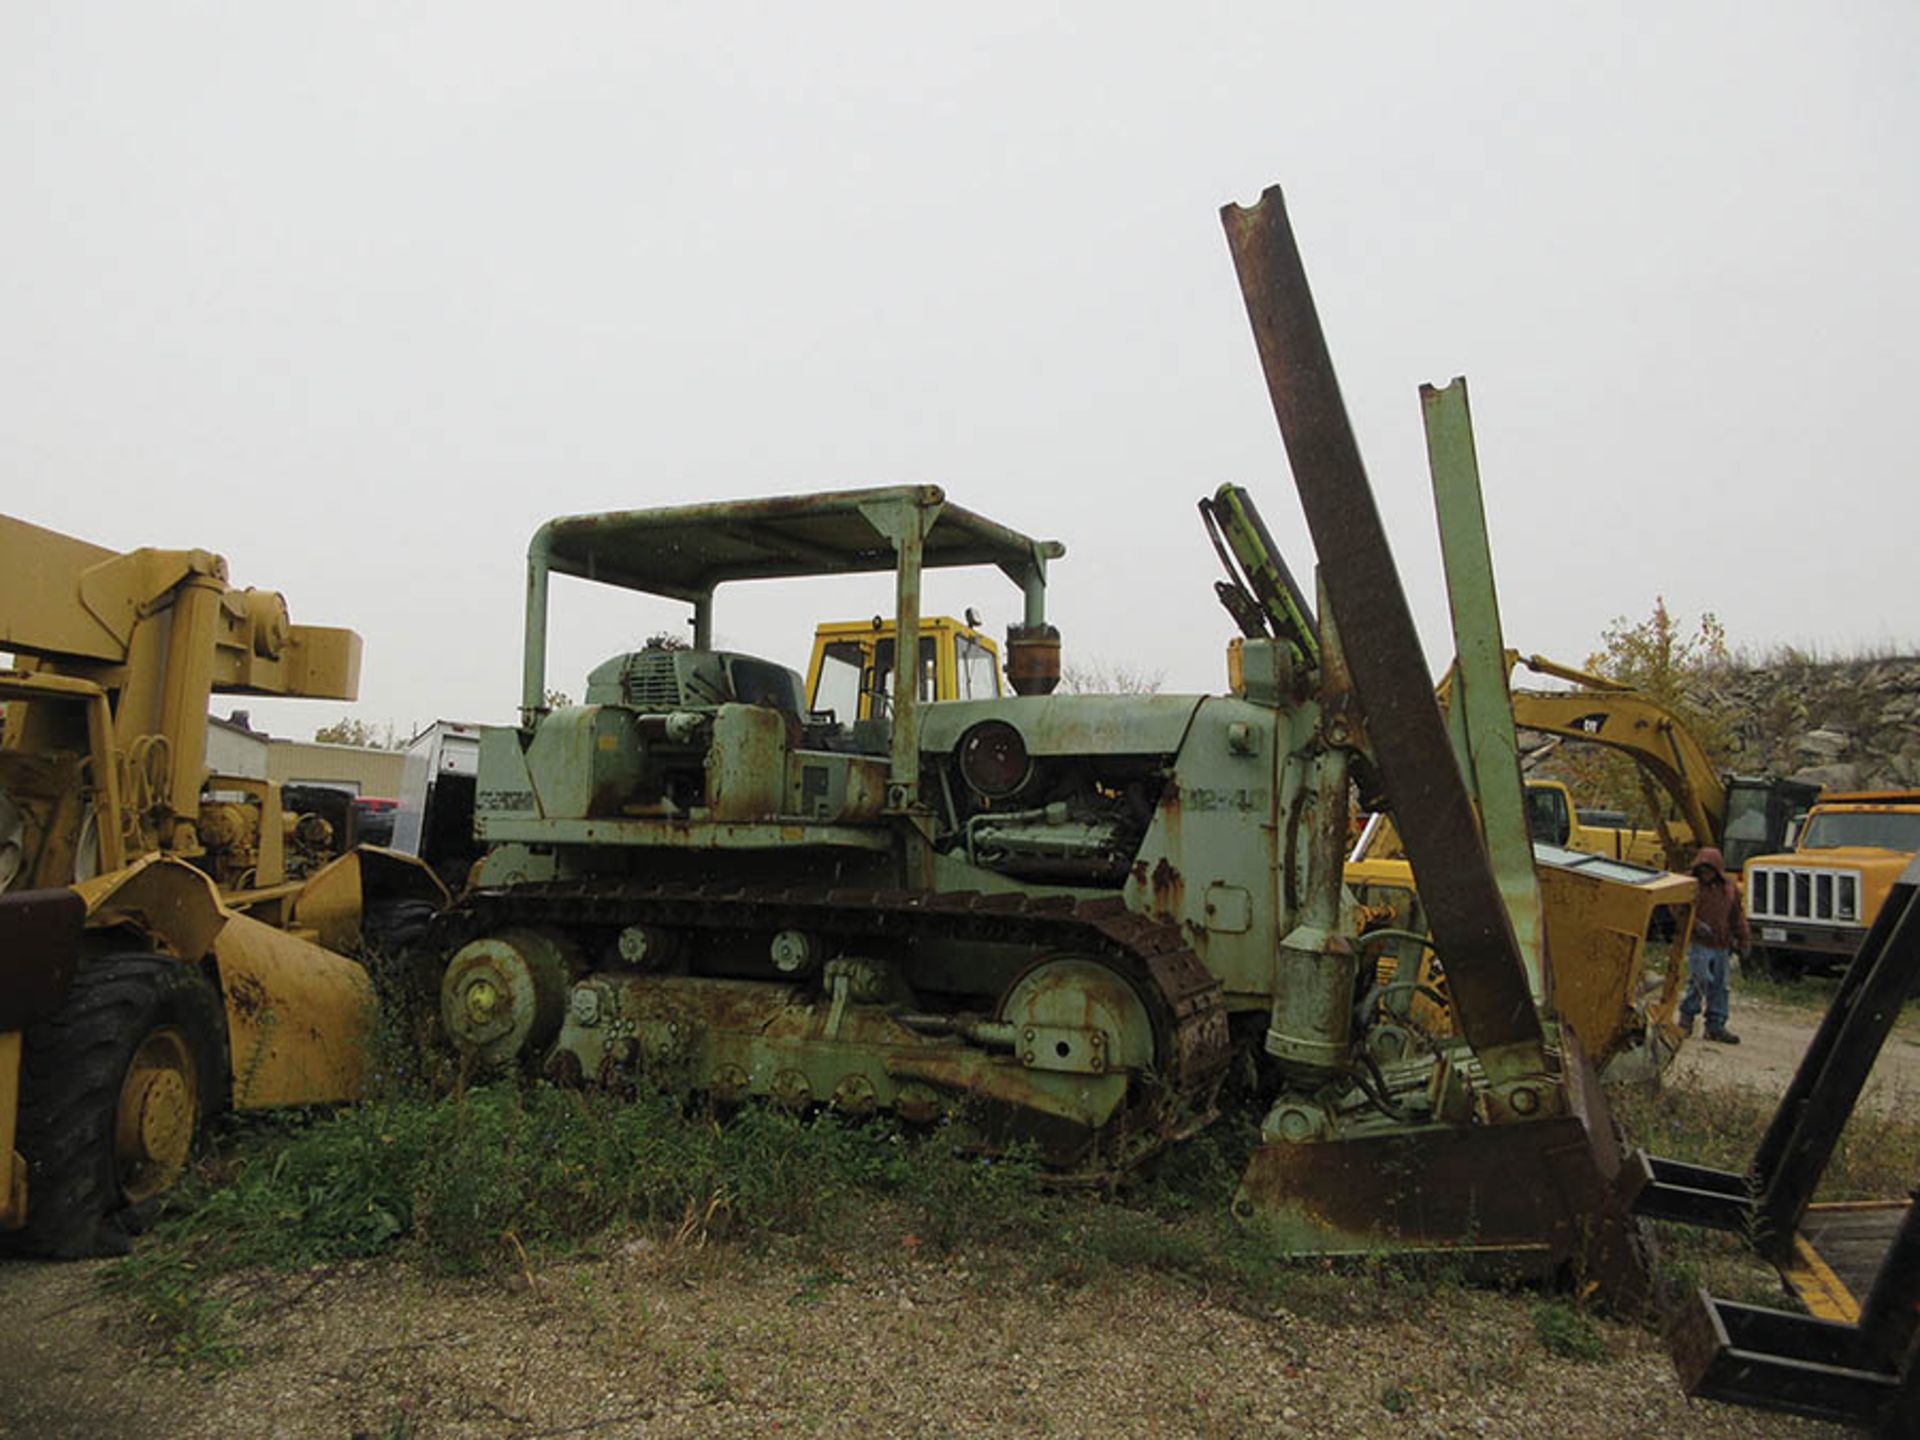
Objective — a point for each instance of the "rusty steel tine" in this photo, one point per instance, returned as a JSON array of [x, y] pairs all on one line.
[[1475, 940]]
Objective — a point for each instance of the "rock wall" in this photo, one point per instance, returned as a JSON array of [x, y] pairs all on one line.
[[1846, 724]]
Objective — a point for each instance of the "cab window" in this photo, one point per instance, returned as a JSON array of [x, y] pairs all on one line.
[[1879, 829], [838, 688], [882, 679], [979, 676], [1547, 819]]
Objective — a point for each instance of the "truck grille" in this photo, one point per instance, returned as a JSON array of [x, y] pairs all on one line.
[[1803, 892], [652, 681]]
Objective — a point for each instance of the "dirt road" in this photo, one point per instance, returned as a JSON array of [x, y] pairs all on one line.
[[1773, 1037]]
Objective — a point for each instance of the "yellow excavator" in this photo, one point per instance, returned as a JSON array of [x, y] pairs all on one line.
[[171, 942], [1693, 803]]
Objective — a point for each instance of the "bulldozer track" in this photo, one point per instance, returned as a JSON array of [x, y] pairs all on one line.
[[1184, 1000]]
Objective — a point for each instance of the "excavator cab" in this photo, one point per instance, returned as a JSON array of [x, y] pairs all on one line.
[[1761, 811], [850, 674], [1548, 819]]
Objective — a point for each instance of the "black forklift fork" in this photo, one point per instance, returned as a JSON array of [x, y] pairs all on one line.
[[1864, 1370]]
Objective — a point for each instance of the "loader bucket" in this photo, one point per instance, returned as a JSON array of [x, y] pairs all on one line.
[[298, 1016]]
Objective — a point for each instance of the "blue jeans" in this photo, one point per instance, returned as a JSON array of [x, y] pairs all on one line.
[[1706, 984]]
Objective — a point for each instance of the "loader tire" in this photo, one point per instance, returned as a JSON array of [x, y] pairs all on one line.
[[394, 927], [115, 1087]]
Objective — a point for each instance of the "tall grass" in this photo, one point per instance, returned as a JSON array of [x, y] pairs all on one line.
[[466, 1183], [1876, 1156]]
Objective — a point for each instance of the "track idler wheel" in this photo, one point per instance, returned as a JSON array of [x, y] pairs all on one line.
[[505, 995]]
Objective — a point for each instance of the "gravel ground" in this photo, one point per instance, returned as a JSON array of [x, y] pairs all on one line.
[[722, 1342]]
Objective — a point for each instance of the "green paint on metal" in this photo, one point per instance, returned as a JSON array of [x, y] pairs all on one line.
[[1232, 512], [1479, 713], [1310, 1024], [685, 552], [1073, 724]]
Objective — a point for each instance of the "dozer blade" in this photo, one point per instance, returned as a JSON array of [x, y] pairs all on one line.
[[1545, 1199], [1511, 1150]]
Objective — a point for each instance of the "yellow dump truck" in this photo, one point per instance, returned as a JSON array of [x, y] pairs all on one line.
[[1811, 907], [171, 942]]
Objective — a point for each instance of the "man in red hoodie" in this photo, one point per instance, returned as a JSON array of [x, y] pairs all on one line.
[[1719, 930]]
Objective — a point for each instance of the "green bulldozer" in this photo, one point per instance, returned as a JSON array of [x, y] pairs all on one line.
[[1076, 925]]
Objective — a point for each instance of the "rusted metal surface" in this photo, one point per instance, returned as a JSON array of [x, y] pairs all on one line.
[[1866, 1372], [697, 547], [1183, 999], [1548, 1196], [1796, 1364], [1430, 803], [39, 950], [1074, 724], [298, 1017], [1310, 1018], [684, 552], [1260, 592], [1033, 659]]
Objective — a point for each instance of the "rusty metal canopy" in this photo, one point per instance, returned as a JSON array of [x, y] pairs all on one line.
[[685, 551]]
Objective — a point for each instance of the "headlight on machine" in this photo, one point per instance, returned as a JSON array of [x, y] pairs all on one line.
[[994, 759]]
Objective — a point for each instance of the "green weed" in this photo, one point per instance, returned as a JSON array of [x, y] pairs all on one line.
[[1568, 1332], [484, 1180], [173, 1308]]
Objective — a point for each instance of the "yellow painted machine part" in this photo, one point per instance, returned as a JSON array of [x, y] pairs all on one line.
[[298, 1017], [152, 635], [1824, 1293], [1819, 1287], [153, 1122], [115, 659], [13, 1169], [944, 630], [328, 907], [1596, 932], [1596, 935], [163, 898]]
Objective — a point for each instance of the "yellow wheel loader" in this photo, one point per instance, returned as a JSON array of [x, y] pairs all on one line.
[[171, 943]]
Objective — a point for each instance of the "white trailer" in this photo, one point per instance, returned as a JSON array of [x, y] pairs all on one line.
[[435, 818]]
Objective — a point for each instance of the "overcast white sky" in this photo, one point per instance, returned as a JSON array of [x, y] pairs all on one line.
[[358, 294]]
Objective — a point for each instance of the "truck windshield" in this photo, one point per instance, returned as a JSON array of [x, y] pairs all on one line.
[[1883, 829]]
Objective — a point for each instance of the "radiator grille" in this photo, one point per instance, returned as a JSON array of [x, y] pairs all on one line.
[[652, 681], [1803, 892]]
